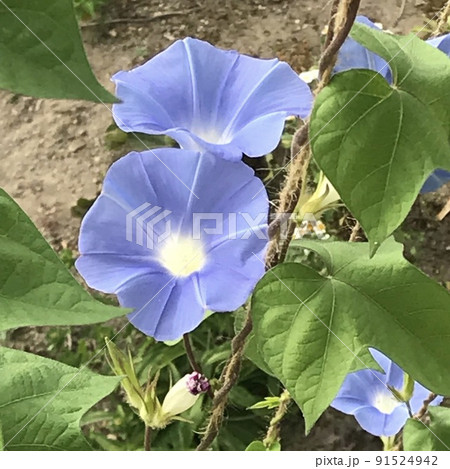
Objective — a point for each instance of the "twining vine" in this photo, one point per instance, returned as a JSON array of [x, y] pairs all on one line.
[[342, 17]]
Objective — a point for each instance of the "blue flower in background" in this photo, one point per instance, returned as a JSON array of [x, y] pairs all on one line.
[[173, 234], [209, 99], [442, 43], [354, 55], [365, 395], [436, 180]]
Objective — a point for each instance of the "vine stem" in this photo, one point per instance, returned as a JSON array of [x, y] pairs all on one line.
[[342, 17], [354, 233], [273, 432], [228, 379], [423, 410], [443, 17], [148, 438]]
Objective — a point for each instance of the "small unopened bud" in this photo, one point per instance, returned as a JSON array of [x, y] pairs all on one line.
[[197, 383], [324, 197], [184, 394]]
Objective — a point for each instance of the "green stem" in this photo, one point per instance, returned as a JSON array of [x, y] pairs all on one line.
[[148, 438], [388, 442], [273, 432]]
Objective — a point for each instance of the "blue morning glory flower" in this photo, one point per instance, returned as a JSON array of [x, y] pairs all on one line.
[[365, 395], [172, 235], [206, 98], [354, 55]]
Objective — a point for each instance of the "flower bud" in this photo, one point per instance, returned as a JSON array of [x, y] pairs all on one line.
[[122, 365], [324, 198], [184, 393]]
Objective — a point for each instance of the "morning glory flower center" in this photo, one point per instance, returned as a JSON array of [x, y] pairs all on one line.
[[182, 256], [386, 403], [210, 134]]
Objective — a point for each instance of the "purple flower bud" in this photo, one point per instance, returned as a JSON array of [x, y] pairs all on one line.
[[197, 383]]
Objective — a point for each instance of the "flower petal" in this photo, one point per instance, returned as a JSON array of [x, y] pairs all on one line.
[[164, 308], [263, 87], [442, 43], [108, 272], [261, 135], [179, 399], [394, 374], [379, 424], [238, 265], [358, 390]]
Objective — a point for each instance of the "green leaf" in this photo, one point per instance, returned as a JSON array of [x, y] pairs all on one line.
[[42, 401], [276, 446], [36, 289], [431, 436], [309, 327], [271, 402], [256, 446], [260, 446], [378, 143], [42, 53]]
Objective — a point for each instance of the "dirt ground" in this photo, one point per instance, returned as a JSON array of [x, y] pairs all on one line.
[[54, 152]]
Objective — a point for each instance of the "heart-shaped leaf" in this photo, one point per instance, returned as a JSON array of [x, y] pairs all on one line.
[[313, 329], [378, 143]]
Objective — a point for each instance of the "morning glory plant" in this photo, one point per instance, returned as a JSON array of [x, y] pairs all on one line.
[[180, 233], [210, 99], [173, 234], [368, 395], [354, 55]]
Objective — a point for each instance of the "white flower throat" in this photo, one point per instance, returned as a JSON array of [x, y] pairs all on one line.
[[182, 256], [385, 402]]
